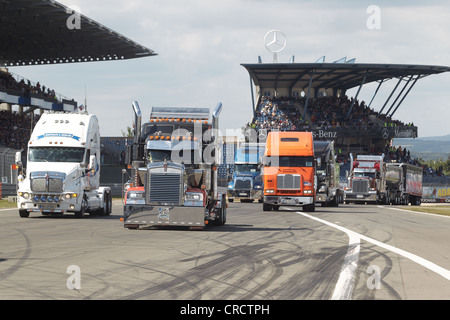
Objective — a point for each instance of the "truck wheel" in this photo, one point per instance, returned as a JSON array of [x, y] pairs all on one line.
[[24, 213], [309, 207], [82, 212], [107, 204], [108, 212], [336, 201], [267, 207], [223, 214]]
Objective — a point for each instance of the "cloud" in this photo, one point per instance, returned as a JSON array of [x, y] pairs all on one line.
[[201, 45]]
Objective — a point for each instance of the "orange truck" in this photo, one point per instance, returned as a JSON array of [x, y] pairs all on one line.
[[289, 171]]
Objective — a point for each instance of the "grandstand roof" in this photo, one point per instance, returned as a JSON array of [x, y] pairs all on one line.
[[332, 75], [36, 32]]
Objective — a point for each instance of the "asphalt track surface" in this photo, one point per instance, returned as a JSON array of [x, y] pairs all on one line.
[[359, 252]]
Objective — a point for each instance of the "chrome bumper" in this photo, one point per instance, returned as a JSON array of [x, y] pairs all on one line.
[[360, 197], [147, 215], [288, 201]]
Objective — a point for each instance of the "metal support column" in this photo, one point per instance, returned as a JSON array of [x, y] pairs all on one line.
[[398, 96], [381, 111], [376, 91], [412, 85], [253, 99], [357, 93], [307, 94]]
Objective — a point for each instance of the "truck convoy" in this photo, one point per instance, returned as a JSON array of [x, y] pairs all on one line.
[[63, 168], [173, 161], [328, 191], [289, 171], [372, 180], [246, 184]]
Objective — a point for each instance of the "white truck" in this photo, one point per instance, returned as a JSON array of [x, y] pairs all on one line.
[[62, 172]]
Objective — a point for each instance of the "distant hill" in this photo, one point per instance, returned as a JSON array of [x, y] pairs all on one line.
[[427, 148]]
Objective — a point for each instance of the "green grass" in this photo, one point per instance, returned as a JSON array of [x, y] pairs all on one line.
[[443, 210], [5, 204]]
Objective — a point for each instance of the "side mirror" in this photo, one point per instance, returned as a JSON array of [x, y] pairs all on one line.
[[319, 162], [92, 162], [18, 158]]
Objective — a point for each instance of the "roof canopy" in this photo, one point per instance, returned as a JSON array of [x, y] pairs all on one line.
[[34, 32], [341, 76]]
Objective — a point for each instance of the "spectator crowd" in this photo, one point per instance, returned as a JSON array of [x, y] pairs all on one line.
[[322, 113], [15, 130], [24, 88]]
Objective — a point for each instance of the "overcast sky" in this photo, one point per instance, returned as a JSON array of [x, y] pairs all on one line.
[[201, 45]]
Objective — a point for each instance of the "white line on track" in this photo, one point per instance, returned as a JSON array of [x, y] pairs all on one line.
[[419, 212], [344, 286]]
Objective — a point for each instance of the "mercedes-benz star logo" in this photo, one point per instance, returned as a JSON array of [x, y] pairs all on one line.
[[275, 41]]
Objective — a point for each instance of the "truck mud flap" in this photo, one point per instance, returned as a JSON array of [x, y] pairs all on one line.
[[147, 216]]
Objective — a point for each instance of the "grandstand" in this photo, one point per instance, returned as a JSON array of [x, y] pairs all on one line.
[[35, 32], [312, 97]]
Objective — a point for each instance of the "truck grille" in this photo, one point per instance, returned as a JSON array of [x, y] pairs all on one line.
[[47, 182], [243, 184], [288, 181], [361, 186], [165, 188]]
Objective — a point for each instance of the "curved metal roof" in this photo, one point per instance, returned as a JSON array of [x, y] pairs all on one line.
[[332, 75], [34, 32]]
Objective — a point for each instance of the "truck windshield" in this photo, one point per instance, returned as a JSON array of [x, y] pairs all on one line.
[[289, 161], [55, 154], [158, 155], [245, 168], [365, 174]]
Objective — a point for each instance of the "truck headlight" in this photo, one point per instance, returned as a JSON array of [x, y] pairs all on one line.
[[24, 195], [135, 197], [193, 199], [270, 191], [194, 196], [307, 192]]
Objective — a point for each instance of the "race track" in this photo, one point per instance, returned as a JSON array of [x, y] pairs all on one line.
[[351, 252]]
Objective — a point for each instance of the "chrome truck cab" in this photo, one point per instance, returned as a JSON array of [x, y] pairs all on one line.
[[174, 165]]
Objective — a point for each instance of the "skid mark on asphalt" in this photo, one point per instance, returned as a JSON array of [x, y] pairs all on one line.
[[344, 286]]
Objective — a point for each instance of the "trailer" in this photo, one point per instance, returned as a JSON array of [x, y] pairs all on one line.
[[173, 161], [403, 184]]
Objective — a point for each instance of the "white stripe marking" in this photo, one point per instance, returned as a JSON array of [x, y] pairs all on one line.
[[344, 286]]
